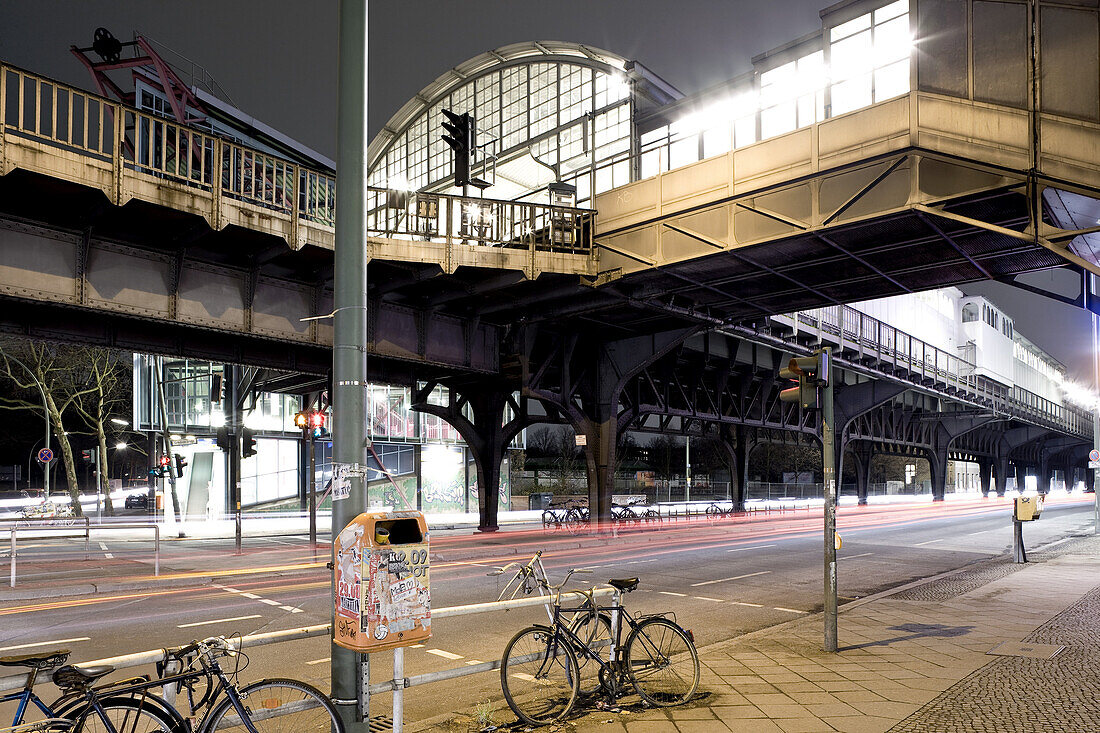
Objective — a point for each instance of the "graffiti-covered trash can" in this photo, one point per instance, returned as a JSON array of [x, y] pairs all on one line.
[[381, 570]]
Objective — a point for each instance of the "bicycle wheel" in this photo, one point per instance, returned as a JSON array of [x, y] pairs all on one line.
[[594, 629], [539, 677], [662, 663], [549, 519], [276, 705], [127, 715], [652, 515], [574, 521]]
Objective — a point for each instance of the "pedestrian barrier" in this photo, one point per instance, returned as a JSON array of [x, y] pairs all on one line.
[[88, 527]]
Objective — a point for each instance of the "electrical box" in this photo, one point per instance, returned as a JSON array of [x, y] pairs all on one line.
[[1027, 508], [383, 597]]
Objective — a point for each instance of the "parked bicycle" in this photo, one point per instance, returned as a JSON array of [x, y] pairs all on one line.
[[215, 701], [717, 510], [540, 674], [572, 516], [122, 707]]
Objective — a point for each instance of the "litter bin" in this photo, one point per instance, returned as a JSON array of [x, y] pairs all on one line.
[[1027, 508], [540, 501], [382, 598]]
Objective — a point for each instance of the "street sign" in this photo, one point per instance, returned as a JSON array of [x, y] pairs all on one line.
[[582, 440], [1094, 464], [45, 455], [1094, 455]]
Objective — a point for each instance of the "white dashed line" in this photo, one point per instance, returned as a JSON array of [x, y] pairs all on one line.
[[417, 646], [670, 593], [742, 549], [318, 661], [44, 643], [103, 546], [928, 542], [849, 557], [217, 621], [789, 610], [253, 596], [726, 580], [750, 605], [473, 662], [704, 598], [445, 655], [268, 601]]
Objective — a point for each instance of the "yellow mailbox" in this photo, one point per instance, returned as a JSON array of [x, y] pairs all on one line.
[[1027, 508], [381, 579]]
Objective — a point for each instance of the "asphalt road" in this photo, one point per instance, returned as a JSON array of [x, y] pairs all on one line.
[[719, 579]]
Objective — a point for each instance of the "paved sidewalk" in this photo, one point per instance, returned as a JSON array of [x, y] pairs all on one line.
[[912, 660]]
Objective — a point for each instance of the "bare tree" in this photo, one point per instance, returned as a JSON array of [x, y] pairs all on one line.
[[100, 386], [50, 368]]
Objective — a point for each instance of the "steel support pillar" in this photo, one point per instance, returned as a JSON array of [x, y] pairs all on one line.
[[602, 441], [937, 467], [1090, 479], [985, 467], [861, 461], [735, 441]]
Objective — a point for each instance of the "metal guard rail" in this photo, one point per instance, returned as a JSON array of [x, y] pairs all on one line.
[[867, 336], [20, 524], [15, 682], [65, 117]]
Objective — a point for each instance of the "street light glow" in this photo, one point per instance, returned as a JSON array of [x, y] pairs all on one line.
[[119, 421], [120, 446]]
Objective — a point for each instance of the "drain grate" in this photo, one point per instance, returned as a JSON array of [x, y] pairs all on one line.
[[380, 724], [1023, 649]]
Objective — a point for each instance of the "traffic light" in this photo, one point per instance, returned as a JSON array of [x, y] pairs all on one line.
[[248, 443], [811, 372], [165, 465], [317, 425], [301, 421], [461, 140], [181, 463], [215, 389], [87, 455], [222, 439]]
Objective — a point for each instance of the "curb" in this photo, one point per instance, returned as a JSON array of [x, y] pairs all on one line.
[[33, 593]]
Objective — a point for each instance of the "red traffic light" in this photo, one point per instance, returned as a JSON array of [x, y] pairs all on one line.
[[165, 460], [317, 419]]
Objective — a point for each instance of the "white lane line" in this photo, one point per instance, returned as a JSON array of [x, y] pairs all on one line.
[[928, 542], [227, 588], [670, 593], [742, 549], [44, 643], [849, 557], [216, 621], [269, 602], [704, 598], [291, 609], [789, 610], [318, 661], [726, 580], [971, 534], [417, 646], [103, 546], [473, 662], [253, 596], [750, 605], [445, 655]]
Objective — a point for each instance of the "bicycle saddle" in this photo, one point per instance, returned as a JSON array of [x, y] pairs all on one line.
[[78, 677], [624, 584], [42, 660]]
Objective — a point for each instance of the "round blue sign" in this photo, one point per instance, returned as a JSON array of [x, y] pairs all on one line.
[[45, 455]]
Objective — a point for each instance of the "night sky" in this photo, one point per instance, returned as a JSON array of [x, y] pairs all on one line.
[[276, 59]]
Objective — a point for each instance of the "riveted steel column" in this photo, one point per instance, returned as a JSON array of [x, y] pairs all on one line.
[[349, 355], [829, 476]]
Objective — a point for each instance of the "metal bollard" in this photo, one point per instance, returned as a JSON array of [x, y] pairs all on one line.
[[13, 556], [87, 535], [156, 549]]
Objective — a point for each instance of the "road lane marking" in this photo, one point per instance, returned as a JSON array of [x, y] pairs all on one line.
[[44, 643], [103, 546], [750, 605], [473, 662], [849, 557], [971, 534], [726, 580], [445, 655], [269, 602], [670, 593], [253, 596], [292, 609], [789, 610], [318, 661], [704, 598], [742, 549], [928, 542], [417, 646], [217, 621]]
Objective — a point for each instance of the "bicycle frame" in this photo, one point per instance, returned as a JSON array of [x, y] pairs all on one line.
[[25, 697]]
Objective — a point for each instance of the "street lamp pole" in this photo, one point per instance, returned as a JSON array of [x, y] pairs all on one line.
[[46, 416]]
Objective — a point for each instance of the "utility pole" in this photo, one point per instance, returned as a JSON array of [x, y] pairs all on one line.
[[1089, 290], [687, 468], [233, 455], [830, 481], [350, 672]]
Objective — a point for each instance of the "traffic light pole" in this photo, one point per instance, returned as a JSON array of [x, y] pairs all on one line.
[[233, 455], [350, 674], [830, 483], [313, 494]]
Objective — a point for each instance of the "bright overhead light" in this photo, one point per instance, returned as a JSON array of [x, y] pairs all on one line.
[[120, 446], [119, 421]]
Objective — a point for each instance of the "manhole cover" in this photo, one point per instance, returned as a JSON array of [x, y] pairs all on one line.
[[1023, 649]]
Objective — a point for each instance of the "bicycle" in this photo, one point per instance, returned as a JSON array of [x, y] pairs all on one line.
[[539, 672], [717, 511], [122, 707], [281, 704]]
